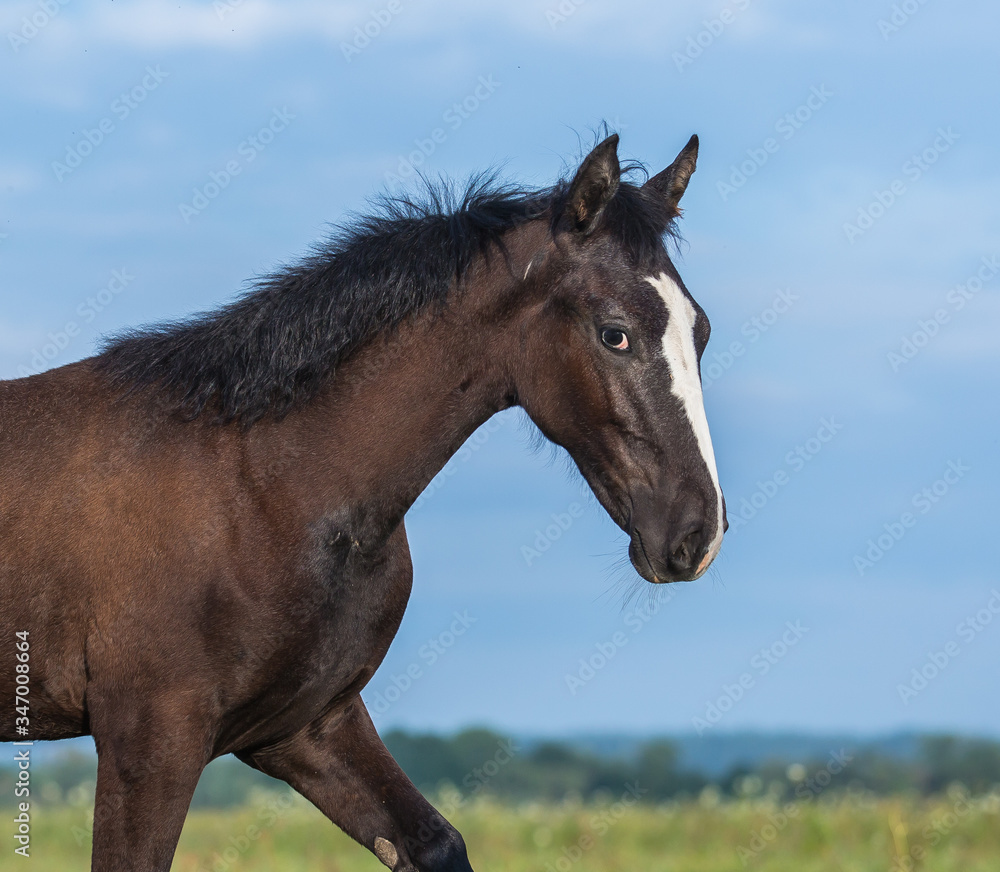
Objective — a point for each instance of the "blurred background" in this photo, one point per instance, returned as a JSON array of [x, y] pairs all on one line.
[[841, 232]]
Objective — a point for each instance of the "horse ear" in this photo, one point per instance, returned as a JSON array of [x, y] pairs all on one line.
[[593, 187], [673, 181]]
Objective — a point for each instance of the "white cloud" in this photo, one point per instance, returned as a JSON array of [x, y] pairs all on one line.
[[158, 24], [225, 23], [652, 29], [630, 26], [971, 336]]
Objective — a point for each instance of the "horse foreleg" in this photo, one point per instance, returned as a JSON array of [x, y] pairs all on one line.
[[340, 765], [148, 767]]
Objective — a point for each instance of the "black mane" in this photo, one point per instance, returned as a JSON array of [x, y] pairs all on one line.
[[273, 347]]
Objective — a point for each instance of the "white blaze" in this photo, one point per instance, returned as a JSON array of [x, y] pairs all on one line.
[[678, 349]]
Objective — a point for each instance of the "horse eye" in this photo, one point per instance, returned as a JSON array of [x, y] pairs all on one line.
[[615, 338]]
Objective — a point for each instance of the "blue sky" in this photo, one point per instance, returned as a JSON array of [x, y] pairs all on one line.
[[844, 206]]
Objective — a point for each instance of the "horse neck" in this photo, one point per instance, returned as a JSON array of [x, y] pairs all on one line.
[[394, 413]]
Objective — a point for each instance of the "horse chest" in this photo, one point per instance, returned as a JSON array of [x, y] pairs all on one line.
[[327, 643]]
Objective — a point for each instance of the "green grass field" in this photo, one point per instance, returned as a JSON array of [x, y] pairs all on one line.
[[278, 832]]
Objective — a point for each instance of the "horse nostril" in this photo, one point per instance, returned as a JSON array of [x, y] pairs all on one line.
[[682, 558]]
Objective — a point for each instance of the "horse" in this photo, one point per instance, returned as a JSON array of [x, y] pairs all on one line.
[[202, 541]]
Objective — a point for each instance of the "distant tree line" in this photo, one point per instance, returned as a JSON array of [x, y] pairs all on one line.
[[484, 763], [475, 761]]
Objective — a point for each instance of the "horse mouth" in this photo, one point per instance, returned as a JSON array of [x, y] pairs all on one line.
[[647, 569], [641, 562]]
